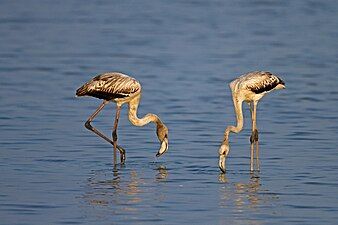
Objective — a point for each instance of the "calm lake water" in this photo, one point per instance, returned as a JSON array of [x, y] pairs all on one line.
[[184, 53]]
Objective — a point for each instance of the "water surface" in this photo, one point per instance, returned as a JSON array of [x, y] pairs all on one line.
[[54, 171]]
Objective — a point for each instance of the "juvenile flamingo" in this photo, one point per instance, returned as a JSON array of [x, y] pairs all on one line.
[[250, 87], [120, 88]]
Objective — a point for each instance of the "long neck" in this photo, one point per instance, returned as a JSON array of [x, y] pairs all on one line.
[[239, 119], [133, 106]]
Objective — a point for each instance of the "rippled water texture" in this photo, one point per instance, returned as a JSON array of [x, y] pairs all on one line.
[[54, 171]]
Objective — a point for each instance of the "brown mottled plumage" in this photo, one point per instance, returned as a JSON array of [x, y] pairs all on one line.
[[250, 87], [259, 81], [110, 86], [120, 88]]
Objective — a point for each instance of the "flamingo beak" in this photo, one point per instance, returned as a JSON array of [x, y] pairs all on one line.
[[221, 163], [223, 153], [164, 147]]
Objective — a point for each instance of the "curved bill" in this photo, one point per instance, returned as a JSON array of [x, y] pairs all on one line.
[[164, 147], [221, 163]]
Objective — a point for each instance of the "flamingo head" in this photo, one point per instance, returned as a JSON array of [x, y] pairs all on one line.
[[162, 134], [223, 153]]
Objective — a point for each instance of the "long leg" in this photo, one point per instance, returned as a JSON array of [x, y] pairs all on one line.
[[257, 155], [90, 119], [114, 134], [93, 129], [251, 138], [256, 136]]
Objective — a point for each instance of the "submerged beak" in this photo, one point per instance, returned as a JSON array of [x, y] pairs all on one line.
[[221, 163], [164, 147]]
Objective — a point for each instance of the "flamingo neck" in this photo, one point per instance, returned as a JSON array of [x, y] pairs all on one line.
[[133, 118], [239, 119]]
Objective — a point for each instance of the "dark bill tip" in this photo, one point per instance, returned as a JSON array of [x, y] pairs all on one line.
[[223, 170]]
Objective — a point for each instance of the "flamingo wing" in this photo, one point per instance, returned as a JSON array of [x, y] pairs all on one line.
[[261, 81], [109, 86]]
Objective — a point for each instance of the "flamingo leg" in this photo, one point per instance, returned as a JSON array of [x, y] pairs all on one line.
[[93, 129], [114, 134], [251, 157], [257, 156], [251, 139], [254, 137]]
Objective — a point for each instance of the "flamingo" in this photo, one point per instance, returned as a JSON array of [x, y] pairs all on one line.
[[120, 88], [250, 87]]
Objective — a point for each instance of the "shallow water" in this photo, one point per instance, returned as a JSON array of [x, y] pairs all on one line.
[[54, 171]]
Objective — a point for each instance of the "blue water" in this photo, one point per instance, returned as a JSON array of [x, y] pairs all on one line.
[[54, 171]]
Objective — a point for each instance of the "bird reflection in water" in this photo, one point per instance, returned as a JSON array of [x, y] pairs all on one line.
[[119, 190], [162, 174], [240, 194], [111, 188]]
